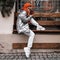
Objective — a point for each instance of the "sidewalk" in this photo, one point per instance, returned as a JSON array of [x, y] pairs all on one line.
[[36, 54]]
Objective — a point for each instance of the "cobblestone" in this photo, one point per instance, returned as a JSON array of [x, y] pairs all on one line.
[[33, 56]]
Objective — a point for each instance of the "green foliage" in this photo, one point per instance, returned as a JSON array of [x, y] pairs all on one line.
[[6, 7]]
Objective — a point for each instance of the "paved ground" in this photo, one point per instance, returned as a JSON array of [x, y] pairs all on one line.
[[33, 56]]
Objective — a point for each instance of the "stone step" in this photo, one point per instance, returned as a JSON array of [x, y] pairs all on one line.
[[49, 40]]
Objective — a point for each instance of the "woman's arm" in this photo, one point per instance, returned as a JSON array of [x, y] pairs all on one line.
[[25, 18]]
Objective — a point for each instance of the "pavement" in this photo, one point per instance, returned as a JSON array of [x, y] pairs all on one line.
[[35, 55]]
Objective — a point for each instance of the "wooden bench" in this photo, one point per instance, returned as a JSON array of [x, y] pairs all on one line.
[[49, 29], [51, 26]]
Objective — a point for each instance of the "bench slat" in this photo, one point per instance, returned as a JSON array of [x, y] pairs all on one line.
[[38, 14], [45, 31], [46, 15], [49, 23], [37, 45]]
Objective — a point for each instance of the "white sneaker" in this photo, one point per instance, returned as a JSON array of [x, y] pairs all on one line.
[[27, 51], [40, 28]]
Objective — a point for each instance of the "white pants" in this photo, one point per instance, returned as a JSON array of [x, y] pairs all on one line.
[[25, 29], [31, 38]]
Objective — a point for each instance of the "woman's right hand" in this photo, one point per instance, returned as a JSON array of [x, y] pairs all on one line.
[[30, 15]]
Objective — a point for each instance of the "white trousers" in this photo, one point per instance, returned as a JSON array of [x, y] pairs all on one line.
[[25, 29], [31, 38]]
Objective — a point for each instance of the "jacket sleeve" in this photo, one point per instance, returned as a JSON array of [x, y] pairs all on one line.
[[24, 18]]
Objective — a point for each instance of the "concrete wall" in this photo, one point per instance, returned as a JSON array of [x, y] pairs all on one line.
[[6, 24], [8, 39]]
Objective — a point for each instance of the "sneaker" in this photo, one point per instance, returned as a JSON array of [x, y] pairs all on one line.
[[27, 51], [40, 28]]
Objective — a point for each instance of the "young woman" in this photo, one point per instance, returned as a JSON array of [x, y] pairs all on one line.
[[24, 17]]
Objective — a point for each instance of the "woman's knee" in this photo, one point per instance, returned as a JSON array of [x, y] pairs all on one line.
[[32, 34]]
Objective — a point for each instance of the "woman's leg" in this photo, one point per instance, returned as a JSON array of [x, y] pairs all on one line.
[[39, 27], [31, 35], [30, 42]]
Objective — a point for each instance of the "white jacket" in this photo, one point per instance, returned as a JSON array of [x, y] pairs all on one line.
[[22, 25]]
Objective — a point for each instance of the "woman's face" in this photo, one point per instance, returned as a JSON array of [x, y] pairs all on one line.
[[30, 8]]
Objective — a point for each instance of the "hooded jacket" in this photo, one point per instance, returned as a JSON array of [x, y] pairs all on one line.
[[22, 20]]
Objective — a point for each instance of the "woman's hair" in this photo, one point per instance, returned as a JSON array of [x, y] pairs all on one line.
[[25, 7], [6, 7]]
